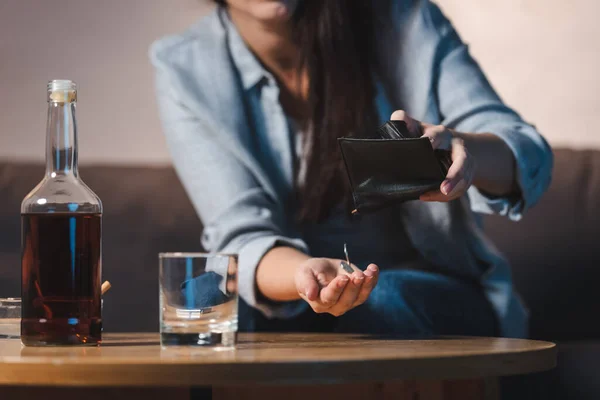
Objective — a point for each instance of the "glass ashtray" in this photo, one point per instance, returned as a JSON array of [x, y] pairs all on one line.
[[10, 318]]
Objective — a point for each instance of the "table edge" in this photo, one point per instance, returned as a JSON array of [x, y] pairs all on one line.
[[276, 373]]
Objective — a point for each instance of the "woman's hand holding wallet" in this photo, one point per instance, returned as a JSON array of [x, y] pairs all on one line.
[[460, 174], [327, 288], [409, 160]]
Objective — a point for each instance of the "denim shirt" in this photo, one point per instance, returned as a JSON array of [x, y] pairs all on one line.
[[234, 152]]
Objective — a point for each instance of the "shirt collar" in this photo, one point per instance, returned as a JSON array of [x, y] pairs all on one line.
[[250, 69]]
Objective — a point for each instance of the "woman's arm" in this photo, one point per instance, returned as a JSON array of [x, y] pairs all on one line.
[[508, 161], [495, 163], [275, 273], [468, 103], [482, 159]]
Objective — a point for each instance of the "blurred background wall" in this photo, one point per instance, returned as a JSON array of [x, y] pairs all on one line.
[[543, 56]]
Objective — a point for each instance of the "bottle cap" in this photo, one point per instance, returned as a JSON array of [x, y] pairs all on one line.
[[62, 91]]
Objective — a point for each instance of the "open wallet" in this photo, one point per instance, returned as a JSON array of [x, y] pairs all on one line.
[[393, 167]]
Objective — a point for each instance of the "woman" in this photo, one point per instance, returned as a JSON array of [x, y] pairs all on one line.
[[253, 98]]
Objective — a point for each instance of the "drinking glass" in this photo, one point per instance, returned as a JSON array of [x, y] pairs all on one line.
[[198, 300], [10, 318]]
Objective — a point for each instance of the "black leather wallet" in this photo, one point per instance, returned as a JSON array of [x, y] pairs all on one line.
[[393, 167]]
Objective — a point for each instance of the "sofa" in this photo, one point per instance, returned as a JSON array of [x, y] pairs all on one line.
[[554, 251]]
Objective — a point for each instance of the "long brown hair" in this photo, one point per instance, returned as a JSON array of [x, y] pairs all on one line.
[[335, 38]]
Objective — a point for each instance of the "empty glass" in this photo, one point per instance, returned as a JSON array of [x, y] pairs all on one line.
[[198, 300]]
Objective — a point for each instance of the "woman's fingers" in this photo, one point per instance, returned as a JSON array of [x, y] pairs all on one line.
[[456, 172], [349, 295], [438, 135], [461, 172], [331, 293], [459, 177], [433, 196], [354, 269], [371, 277], [413, 125], [338, 295], [460, 188]]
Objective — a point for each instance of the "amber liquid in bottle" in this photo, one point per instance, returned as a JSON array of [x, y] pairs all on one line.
[[61, 257], [61, 278]]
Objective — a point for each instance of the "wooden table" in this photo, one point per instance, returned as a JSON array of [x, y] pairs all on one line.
[[264, 366]]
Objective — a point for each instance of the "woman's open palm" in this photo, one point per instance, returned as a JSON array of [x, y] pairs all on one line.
[[329, 289]]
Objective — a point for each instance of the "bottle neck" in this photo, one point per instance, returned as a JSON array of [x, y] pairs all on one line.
[[61, 139]]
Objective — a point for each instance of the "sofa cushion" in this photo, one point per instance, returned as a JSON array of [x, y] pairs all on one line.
[[555, 250]]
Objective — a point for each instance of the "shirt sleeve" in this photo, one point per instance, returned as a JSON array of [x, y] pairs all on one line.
[[238, 215], [468, 103]]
